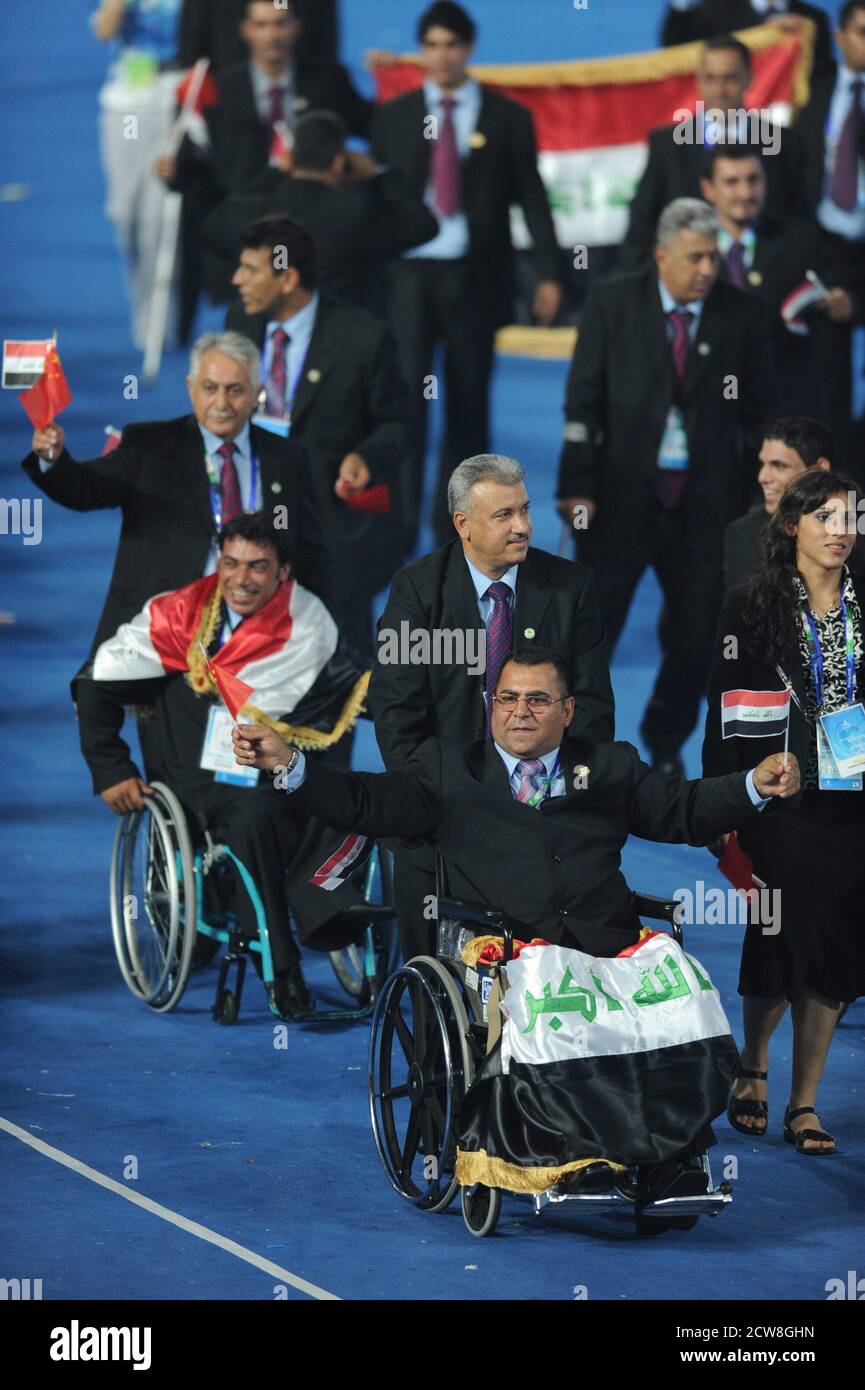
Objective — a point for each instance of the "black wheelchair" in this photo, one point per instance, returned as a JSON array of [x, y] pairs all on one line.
[[168, 890], [430, 1031]]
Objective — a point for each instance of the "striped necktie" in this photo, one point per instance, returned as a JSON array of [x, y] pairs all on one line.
[[530, 771], [229, 484], [499, 638]]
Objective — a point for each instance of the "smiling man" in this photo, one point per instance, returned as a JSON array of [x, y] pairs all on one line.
[[258, 625], [532, 821], [488, 578]]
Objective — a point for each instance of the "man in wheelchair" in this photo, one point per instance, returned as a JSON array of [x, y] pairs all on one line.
[[533, 822], [249, 621]]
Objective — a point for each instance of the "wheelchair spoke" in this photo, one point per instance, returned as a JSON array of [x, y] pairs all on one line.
[[395, 1093], [407, 1042], [412, 1134]]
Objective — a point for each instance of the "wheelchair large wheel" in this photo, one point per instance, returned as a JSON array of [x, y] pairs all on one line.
[[419, 1071], [348, 964], [153, 900], [481, 1206]]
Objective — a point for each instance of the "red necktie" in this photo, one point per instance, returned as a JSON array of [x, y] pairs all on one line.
[[736, 264], [681, 321], [229, 484], [445, 164], [276, 375], [499, 638], [845, 172]]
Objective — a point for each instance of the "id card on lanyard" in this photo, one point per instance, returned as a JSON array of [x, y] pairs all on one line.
[[279, 424], [544, 790], [215, 486], [841, 734]]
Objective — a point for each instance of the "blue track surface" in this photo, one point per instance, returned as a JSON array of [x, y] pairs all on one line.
[[271, 1147]]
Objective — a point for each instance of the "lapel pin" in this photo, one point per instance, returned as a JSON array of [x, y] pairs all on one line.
[[529, 632], [703, 349], [581, 770], [313, 374], [477, 140], [276, 487], [754, 277], [300, 103]]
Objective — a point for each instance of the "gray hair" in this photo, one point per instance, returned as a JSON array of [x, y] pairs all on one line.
[[687, 215], [233, 345], [481, 468]]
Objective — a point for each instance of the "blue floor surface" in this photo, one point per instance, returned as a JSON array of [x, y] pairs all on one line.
[[271, 1147]]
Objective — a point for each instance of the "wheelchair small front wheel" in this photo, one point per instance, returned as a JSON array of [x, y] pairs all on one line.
[[228, 1007], [480, 1206]]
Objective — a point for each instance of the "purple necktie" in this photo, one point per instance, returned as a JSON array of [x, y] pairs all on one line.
[[445, 164], [276, 375], [681, 322], [229, 483], [528, 770], [499, 638], [277, 109], [736, 263], [845, 172]]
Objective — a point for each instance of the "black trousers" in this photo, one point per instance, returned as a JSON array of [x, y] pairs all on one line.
[[430, 303], [264, 839], [833, 344], [689, 571]]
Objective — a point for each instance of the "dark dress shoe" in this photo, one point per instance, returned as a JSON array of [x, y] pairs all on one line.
[[589, 1181], [291, 995], [668, 765]]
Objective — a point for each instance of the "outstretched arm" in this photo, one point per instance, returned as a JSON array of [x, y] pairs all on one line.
[[404, 803]]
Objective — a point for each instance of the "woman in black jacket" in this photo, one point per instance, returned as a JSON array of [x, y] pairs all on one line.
[[798, 625]]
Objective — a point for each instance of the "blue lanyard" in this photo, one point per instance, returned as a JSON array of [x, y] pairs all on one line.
[[216, 487], [815, 653]]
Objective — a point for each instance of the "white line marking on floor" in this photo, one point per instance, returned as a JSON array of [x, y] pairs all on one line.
[[173, 1217]]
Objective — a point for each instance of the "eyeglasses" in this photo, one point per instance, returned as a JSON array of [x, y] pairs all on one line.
[[509, 700]]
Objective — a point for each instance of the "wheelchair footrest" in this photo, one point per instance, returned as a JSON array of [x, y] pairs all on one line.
[[706, 1204]]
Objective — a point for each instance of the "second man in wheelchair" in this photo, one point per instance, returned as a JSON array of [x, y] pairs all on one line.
[[255, 623], [533, 822]]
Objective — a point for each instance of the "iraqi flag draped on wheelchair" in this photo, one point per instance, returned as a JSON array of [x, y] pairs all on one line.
[[626, 1059]]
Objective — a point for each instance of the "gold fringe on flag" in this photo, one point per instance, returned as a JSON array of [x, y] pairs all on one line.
[[496, 1172]]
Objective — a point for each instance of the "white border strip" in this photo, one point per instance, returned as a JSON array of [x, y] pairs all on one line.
[[173, 1217]]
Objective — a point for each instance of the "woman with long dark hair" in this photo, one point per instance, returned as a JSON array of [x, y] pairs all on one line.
[[798, 626]]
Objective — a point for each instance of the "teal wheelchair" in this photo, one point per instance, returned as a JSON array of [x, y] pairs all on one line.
[[168, 891]]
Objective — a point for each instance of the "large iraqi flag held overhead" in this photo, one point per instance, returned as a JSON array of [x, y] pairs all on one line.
[[592, 118]]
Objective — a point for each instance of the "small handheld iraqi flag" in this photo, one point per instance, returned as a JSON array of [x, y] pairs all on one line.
[[754, 713], [233, 692]]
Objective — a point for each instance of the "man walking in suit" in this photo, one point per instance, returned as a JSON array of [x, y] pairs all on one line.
[[357, 214], [676, 151], [489, 580], [834, 128], [177, 481], [472, 155], [769, 256], [670, 376], [332, 380]]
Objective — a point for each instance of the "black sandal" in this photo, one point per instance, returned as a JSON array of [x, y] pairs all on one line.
[[738, 1106], [797, 1137]]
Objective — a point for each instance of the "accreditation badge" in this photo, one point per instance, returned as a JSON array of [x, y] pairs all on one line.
[[829, 778], [217, 754], [845, 734], [274, 424]]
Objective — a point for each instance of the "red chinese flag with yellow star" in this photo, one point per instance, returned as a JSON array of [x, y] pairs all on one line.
[[51, 394]]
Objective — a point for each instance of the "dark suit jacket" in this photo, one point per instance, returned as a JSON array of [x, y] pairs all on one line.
[[502, 171], [240, 140], [812, 127], [621, 386], [784, 250], [555, 598], [357, 402], [555, 870], [728, 16], [157, 477], [211, 29], [742, 546], [673, 171], [725, 755], [355, 229]]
